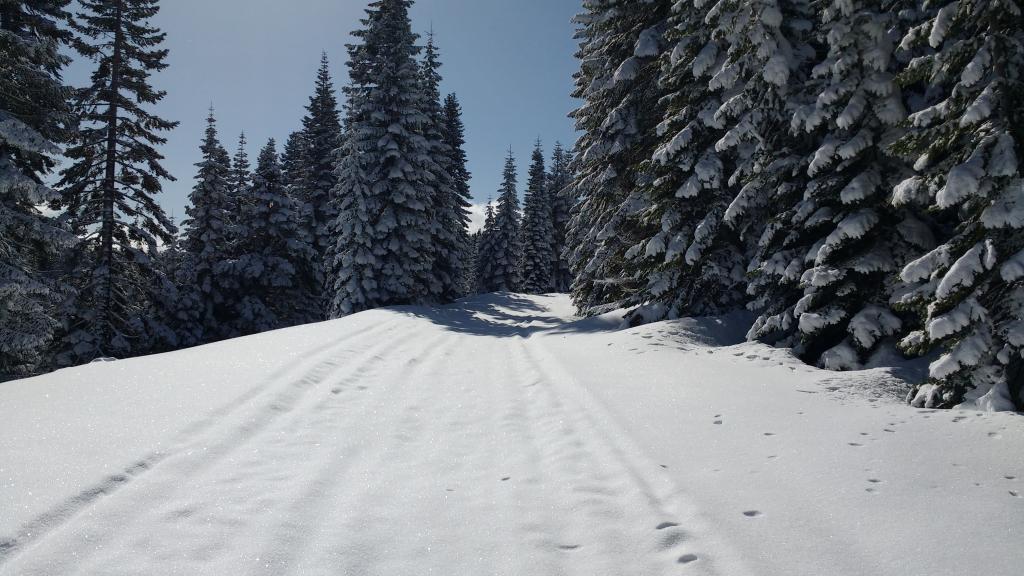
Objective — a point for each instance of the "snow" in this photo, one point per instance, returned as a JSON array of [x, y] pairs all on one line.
[[963, 272], [499, 435], [942, 22]]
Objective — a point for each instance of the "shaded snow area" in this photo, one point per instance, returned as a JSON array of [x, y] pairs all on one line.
[[499, 436]]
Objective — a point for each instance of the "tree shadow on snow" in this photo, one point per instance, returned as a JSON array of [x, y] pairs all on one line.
[[505, 315]]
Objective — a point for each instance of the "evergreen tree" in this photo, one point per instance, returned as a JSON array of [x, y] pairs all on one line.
[[849, 240], [108, 191], [208, 234], [619, 50], [273, 268], [383, 252], [34, 119], [240, 176], [562, 202], [321, 131], [506, 250], [486, 254], [447, 207], [966, 144], [454, 137], [538, 232], [293, 163], [471, 264]]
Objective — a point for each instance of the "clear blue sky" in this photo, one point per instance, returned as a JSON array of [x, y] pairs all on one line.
[[510, 61]]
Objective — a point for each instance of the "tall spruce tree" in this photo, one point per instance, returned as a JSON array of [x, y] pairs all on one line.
[[562, 201], [321, 130], [447, 210], [240, 176], [618, 81], [486, 254], [966, 147], [506, 249], [273, 267], [538, 233], [34, 119], [109, 190], [454, 135], [850, 240], [208, 235], [383, 245]]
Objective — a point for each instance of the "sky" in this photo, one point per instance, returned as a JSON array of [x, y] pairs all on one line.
[[510, 62]]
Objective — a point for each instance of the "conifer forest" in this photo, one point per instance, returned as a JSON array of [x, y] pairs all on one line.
[[788, 222]]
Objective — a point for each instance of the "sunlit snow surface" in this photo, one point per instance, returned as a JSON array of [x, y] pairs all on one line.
[[498, 436]]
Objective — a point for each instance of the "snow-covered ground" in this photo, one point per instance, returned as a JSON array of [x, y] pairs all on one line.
[[498, 436]]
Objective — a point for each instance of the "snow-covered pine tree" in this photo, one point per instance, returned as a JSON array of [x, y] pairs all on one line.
[[771, 153], [558, 181], [485, 254], [321, 129], [208, 235], [617, 81], [382, 254], [849, 240], [471, 263], [966, 146], [293, 170], [447, 209], [538, 232], [689, 262], [240, 176], [108, 192], [455, 138], [34, 119], [274, 265], [506, 250], [293, 163]]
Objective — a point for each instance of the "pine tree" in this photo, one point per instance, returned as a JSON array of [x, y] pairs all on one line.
[[848, 242], [208, 234], [454, 137], [965, 144], [447, 207], [506, 250], [293, 163], [34, 119], [538, 233], [240, 177], [617, 81], [108, 191], [486, 254], [562, 202], [273, 267], [321, 130], [471, 264], [382, 254]]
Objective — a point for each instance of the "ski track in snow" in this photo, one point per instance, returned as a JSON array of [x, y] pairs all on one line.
[[404, 448]]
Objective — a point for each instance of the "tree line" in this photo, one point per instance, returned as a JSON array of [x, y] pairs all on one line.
[[365, 205], [848, 170]]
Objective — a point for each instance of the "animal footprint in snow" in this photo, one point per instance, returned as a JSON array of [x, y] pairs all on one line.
[[687, 558]]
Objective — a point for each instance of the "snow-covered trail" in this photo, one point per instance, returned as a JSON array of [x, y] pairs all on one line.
[[500, 436]]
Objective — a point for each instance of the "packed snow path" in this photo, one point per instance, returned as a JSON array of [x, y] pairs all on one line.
[[498, 436]]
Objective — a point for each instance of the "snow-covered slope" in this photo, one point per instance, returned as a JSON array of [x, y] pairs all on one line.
[[498, 436]]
